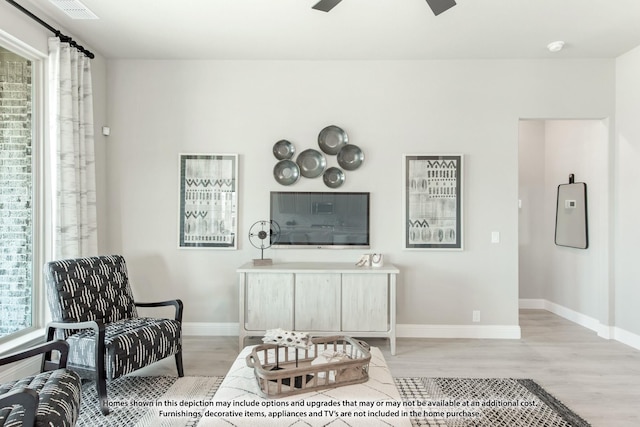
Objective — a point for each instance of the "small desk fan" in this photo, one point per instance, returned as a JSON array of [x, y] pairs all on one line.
[[262, 235]]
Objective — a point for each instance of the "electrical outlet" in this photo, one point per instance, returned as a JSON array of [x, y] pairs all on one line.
[[476, 315]]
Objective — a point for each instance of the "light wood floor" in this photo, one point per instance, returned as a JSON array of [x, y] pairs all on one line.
[[599, 379]]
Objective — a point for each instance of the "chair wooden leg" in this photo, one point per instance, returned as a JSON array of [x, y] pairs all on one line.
[[179, 364], [101, 388], [101, 373]]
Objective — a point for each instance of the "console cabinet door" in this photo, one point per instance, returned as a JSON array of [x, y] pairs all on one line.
[[269, 301], [365, 302], [317, 302]]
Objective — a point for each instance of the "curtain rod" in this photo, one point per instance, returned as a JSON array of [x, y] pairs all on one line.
[[57, 33]]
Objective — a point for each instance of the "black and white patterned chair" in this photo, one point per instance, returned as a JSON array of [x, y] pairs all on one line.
[[92, 304], [50, 398]]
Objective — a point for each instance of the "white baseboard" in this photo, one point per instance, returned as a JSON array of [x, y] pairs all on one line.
[[626, 337], [533, 304], [458, 331], [569, 314], [603, 331], [203, 329], [20, 369], [402, 331]]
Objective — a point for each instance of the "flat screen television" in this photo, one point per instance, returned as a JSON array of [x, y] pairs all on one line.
[[321, 219]]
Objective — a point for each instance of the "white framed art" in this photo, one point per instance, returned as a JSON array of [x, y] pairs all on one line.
[[433, 202], [208, 201]]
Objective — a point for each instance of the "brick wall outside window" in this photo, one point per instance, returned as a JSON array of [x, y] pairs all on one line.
[[16, 185]]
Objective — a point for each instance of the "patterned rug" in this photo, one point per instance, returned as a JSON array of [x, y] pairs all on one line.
[[133, 401], [437, 402], [479, 402]]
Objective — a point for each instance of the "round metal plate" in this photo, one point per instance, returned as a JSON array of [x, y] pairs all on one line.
[[331, 139], [311, 163], [283, 149], [333, 177], [350, 157], [286, 172]]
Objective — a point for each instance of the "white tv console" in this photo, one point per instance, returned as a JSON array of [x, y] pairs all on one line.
[[321, 298]]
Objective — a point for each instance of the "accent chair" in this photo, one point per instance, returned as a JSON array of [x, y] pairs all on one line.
[[93, 308]]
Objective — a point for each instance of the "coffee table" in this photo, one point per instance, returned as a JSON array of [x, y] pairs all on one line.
[[238, 401]]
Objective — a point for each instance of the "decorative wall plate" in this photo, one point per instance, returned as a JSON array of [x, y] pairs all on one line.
[[333, 177], [286, 172], [331, 139], [350, 157], [283, 149], [311, 163]]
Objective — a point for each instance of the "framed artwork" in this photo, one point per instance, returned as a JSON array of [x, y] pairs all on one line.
[[209, 201], [432, 200]]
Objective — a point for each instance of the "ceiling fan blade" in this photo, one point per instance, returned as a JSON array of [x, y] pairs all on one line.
[[326, 5], [439, 6]]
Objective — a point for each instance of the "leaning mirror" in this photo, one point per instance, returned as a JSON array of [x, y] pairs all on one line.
[[571, 215]]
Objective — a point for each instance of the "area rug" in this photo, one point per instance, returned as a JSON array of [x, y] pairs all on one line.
[[483, 402], [133, 401], [438, 402]]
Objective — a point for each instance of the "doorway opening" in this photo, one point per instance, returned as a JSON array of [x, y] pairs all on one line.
[[568, 281]]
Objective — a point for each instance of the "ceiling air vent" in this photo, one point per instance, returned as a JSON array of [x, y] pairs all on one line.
[[74, 9]]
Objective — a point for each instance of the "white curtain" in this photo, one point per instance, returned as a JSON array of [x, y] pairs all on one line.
[[71, 127]]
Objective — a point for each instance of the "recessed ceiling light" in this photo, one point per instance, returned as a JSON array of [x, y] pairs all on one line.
[[555, 46], [74, 9]]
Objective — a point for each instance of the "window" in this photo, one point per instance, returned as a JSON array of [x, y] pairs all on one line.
[[19, 202]]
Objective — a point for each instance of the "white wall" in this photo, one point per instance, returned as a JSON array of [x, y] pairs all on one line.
[[578, 278], [531, 192], [158, 109], [575, 279], [627, 202], [21, 27]]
